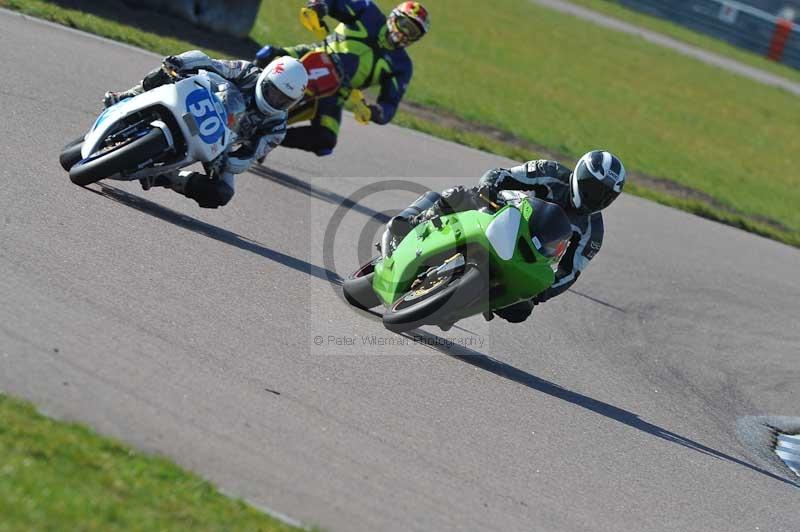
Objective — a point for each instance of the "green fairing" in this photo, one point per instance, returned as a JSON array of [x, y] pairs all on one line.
[[512, 280]]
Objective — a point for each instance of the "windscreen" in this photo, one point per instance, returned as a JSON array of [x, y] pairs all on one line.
[[550, 229], [231, 98]]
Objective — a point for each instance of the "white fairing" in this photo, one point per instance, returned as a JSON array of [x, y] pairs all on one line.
[[200, 116], [502, 232]]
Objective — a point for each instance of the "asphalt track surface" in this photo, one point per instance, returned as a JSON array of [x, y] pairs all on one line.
[[711, 58], [191, 333]]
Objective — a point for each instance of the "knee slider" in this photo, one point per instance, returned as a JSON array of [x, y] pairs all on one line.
[[208, 193]]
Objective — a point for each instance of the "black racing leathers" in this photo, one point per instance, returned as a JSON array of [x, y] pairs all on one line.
[[550, 181]]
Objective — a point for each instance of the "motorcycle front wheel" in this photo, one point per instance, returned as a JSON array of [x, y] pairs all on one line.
[[436, 301], [127, 155]]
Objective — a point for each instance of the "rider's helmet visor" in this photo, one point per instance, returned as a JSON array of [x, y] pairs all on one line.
[[409, 28], [275, 97], [597, 194]]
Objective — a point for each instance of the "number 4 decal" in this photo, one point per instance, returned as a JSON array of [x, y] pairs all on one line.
[[316, 73]]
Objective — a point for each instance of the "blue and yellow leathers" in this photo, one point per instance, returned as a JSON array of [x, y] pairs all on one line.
[[368, 58]]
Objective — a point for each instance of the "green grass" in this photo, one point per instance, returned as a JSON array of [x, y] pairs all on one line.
[[568, 87], [681, 33], [664, 114], [62, 476], [678, 201], [525, 69]]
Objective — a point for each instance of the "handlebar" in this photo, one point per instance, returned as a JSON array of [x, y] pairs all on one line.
[[479, 196], [489, 202]]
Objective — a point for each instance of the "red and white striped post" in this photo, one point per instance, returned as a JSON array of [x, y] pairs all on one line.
[[783, 29]]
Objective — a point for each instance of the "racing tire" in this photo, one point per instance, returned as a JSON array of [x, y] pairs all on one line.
[[127, 156], [440, 305], [357, 288], [71, 154]]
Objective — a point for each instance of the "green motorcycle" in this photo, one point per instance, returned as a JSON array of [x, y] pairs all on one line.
[[464, 264]]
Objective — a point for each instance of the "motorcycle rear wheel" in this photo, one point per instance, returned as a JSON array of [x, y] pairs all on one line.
[[71, 154], [357, 288], [125, 156]]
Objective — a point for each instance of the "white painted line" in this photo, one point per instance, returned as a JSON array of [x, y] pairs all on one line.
[[787, 454], [788, 450], [793, 439], [792, 443], [794, 466]]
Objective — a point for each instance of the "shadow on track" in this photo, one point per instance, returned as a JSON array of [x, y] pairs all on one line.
[[211, 231], [165, 25], [308, 189], [501, 369]]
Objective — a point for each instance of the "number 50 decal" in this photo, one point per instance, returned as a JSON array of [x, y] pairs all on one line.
[[208, 120]]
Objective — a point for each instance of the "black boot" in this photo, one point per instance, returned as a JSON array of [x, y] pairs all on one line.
[[410, 217], [160, 180], [316, 139]]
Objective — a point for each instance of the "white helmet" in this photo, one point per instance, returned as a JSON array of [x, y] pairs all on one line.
[[281, 85]]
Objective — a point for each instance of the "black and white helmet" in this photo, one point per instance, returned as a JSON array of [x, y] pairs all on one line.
[[596, 182]]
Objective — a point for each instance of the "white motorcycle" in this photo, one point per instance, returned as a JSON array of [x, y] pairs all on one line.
[[162, 130]]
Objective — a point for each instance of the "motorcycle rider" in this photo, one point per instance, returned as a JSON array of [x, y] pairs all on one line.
[[595, 183], [371, 47], [268, 94]]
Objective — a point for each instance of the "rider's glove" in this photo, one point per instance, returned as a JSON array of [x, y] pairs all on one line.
[[172, 63], [454, 199], [217, 167], [319, 7]]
